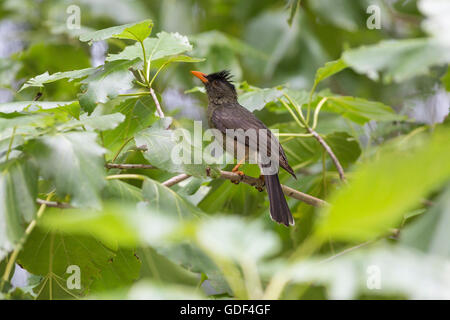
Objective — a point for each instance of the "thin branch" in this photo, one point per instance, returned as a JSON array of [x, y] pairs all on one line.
[[158, 106], [54, 204], [174, 180], [259, 184], [128, 166], [255, 182], [330, 153]]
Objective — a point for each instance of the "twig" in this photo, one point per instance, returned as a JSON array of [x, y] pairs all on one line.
[[174, 180], [255, 182], [330, 153], [54, 204], [259, 184], [158, 106], [128, 166]]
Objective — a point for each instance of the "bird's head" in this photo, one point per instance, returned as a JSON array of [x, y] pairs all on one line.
[[218, 86]]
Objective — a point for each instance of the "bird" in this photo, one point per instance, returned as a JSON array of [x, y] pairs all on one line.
[[224, 114]]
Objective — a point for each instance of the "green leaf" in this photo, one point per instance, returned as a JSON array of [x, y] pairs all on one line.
[[138, 31], [73, 161], [165, 45], [345, 147], [158, 267], [166, 201], [121, 271], [257, 99], [50, 253], [18, 193], [44, 78], [164, 152], [360, 110], [399, 60], [95, 122], [429, 232], [139, 114], [106, 83], [381, 191], [116, 190], [329, 69], [135, 31], [10, 107]]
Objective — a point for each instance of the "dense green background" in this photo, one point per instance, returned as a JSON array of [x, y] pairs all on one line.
[[377, 97]]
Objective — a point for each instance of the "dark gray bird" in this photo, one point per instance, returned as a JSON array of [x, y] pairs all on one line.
[[225, 112]]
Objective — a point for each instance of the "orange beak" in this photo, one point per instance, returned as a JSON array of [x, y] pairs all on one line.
[[200, 75]]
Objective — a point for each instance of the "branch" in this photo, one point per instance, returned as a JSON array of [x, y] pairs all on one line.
[[158, 106], [128, 166], [330, 152], [174, 180], [54, 204], [259, 184], [254, 182]]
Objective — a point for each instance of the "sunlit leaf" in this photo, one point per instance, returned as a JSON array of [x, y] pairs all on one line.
[[165, 45], [135, 31], [44, 78], [381, 191]]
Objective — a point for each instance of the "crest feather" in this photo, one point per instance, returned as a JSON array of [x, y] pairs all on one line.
[[224, 76]]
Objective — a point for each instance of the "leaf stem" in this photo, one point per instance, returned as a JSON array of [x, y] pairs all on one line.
[[11, 142], [126, 176]]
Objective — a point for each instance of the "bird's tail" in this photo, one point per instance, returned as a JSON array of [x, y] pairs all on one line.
[[279, 210]]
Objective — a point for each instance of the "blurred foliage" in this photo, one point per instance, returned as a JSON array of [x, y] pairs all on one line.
[[75, 99]]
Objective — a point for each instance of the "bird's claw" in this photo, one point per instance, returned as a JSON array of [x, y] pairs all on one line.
[[241, 175], [261, 186]]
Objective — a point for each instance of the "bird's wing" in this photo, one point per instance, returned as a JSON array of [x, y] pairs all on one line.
[[238, 117]]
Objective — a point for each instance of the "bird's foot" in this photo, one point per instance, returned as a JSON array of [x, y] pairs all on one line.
[[241, 176], [260, 187]]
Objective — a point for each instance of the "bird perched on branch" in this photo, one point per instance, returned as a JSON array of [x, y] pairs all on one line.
[[240, 129]]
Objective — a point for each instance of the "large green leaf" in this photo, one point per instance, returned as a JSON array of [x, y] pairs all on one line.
[[73, 161], [165, 45], [397, 59], [50, 253], [18, 192], [121, 271], [135, 31], [106, 83], [381, 191], [44, 78]]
